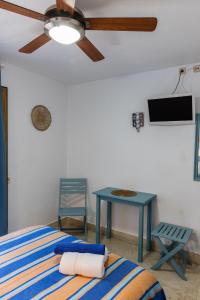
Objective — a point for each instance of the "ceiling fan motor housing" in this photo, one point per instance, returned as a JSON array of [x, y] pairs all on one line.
[[56, 18], [52, 12]]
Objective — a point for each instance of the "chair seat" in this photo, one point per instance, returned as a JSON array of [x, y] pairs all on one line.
[[172, 232], [72, 211]]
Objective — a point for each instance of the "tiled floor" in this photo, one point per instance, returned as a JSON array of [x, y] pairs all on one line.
[[175, 288]]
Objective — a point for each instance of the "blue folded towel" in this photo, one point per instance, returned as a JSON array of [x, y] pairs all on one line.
[[80, 248]]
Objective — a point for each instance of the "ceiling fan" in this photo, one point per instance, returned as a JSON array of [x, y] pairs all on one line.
[[66, 24]]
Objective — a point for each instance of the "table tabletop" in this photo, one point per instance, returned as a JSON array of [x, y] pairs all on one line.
[[140, 199]]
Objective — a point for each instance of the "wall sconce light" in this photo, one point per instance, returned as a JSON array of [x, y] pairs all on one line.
[[138, 120]]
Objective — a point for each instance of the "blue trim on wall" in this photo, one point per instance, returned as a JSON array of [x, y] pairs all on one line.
[[3, 173], [197, 145]]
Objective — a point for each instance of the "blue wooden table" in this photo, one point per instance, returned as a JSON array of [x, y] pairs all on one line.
[[140, 200]]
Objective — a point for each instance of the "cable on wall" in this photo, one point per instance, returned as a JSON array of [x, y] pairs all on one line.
[[179, 80], [191, 69]]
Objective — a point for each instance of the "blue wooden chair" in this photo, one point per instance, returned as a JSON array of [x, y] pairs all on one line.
[[73, 190]]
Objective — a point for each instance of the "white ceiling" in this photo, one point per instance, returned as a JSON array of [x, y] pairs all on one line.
[[175, 42]]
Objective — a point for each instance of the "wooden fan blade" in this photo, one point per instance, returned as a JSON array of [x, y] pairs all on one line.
[[21, 10], [90, 50], [35, 44], [67, 5], [121, 24], [60, 4], [70, 2]]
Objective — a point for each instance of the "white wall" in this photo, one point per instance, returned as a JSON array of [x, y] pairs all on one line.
[[103, 146], [36, 159]]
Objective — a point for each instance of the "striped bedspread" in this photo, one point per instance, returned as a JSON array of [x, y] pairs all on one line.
[[29, 270]]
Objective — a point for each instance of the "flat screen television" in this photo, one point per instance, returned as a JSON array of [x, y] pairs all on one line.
[[172, 110]]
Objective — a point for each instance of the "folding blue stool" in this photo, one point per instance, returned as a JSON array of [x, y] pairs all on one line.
[[178, 236]]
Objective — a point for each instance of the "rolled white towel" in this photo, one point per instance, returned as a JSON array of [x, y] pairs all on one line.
[[85, 264]]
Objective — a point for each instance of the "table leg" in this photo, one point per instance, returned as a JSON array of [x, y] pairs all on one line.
[[149, 227], [98, 217], [109, 220], [140, 234]]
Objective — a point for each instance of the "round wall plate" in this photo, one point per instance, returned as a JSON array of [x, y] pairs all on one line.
[[41, 117]]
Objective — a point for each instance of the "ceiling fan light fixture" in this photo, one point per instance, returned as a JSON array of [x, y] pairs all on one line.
[[64, 30], [64, 34]]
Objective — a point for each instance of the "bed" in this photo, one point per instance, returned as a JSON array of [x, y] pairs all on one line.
[[29, 270]]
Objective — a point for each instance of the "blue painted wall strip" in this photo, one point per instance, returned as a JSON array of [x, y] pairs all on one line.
[[196, 154], [3, 173]]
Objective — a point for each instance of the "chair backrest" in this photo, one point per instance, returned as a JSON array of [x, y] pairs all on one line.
[[72, 188]]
